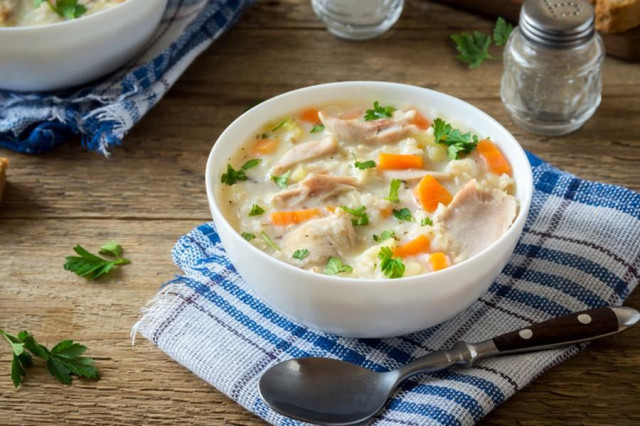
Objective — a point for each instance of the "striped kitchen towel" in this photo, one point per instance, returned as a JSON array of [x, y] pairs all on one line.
[[104, 111], [580, 249]]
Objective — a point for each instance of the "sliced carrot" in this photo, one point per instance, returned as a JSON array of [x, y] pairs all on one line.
[[416, 246], [493, 157], [385, 212], [310, 115], [438, 261], [430, 193], [420, 121], [265, 146], [284, 218], [399, 161]]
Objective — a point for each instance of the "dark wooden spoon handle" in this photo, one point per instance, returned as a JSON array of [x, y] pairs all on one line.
[[573, 328]]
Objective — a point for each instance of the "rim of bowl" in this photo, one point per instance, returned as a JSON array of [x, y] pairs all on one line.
[[77, 21], [525, 202]]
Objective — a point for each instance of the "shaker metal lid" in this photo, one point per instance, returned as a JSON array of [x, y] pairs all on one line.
[[557, 24]]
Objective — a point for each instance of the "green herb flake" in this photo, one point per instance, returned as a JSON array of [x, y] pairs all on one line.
[[300, 254], [394, 187], [281, 180], [426, 222], [378, 112], [385, 235], [91, 266], [403, 214], [248, 236], [256, 210], [68, 9], [365, 164], [251, 163], [232, 176], [335, 266], [267, 239], [457, 142], [317, 128], [280, 124], [390, 266], [360, 217]]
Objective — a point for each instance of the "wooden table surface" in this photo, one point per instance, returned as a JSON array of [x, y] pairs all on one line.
[[151, 191]]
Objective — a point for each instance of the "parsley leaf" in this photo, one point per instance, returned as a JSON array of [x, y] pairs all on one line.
[[457, 142], [256, 210], [281, 180], [62, 360], [378, 112], [300, 254], [317, 128], [360, 217], [248, 236], [251, 163], [473, 48], [403, 214], [280, 124], [69, 9], [267, 239], [426, 222], [232, 176], [385, 235], [390, 266], [365, 164], [394, 186], [335, 266], [501, 32], [91, 266]]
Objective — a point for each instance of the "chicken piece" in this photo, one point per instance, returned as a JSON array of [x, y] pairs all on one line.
[[476, 218], [306, 151], [376, 132], [316, 185], [329, 236]]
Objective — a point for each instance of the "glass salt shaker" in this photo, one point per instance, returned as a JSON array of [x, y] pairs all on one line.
[[552, 79], [358, 19]]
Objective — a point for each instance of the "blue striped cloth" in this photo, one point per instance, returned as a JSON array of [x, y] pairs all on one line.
[[580, 249], [102, 113]]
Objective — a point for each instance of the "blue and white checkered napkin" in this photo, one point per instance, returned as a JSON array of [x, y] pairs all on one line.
[[103, 112], [580, 249]]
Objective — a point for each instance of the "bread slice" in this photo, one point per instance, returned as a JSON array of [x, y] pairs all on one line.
[[4, 163], [617, 16]]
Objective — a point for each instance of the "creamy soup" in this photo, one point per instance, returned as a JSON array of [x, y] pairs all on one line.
[[368, 191], [24, 13]]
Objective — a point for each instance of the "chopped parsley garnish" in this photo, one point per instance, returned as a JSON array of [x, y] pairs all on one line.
[[335, 266], [456, 141], [385, 235], [63, 360], [426, 222], [251, 163], [267, 239], [365, 164], [378, 112], [256, 210], [69, 9], [248, 236], [394, 187], [300, 254], [317, 128], [232, 176], [360, 217], [390, 266], [91, 266], [403, 214], [280, 124], [281, 180]]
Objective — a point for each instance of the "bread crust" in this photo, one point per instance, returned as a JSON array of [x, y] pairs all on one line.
[[617, 16]]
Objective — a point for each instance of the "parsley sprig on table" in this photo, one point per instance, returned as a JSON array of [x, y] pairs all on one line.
[[378, 112], [92, 266], [457, 142], [474, 47], [69, 9], [63, 360]]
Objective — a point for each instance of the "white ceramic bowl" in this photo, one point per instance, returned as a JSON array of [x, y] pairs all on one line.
[[367, 307], [70, 53]]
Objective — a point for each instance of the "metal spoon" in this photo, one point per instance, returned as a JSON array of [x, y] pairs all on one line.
[[333, 392]]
